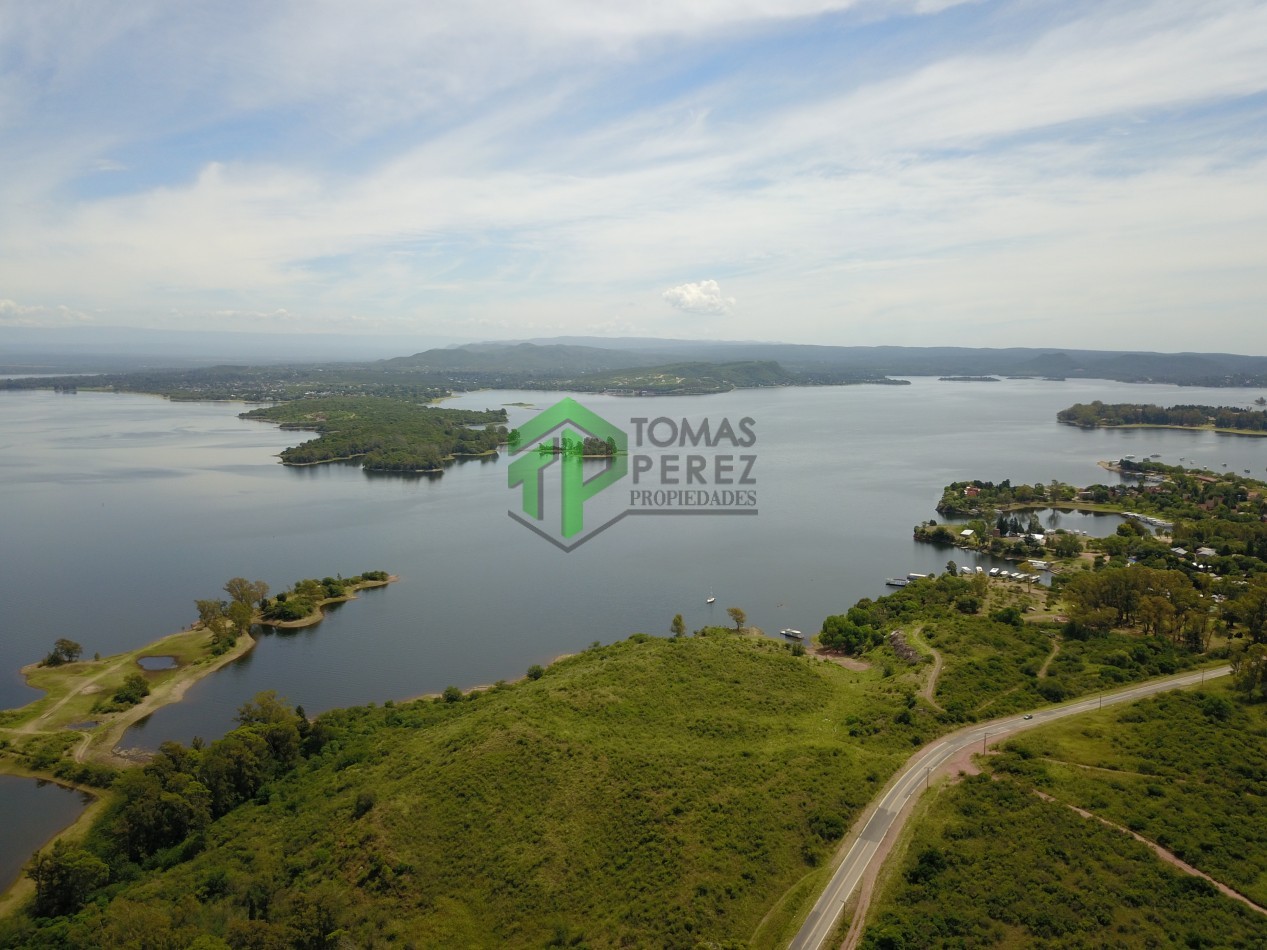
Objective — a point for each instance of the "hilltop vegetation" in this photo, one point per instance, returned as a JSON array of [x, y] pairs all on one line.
[[679, 379], [992, 657], [508, 363]]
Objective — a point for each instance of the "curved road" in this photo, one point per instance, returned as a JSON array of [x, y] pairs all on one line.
[[886, 815]]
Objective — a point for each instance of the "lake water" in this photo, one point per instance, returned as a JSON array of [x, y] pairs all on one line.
[[32, 813], [118, 511]]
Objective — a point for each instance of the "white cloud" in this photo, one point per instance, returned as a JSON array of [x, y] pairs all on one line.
[[703, 297], [496, 167], [15, 314]]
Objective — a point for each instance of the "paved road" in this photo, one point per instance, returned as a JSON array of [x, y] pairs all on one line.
[[883, 816]]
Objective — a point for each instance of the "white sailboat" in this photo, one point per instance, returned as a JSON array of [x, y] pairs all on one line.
[[711, 598]]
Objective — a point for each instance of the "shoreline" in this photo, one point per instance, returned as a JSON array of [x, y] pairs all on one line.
[[1162, 425], [485, 687], [63, 685], [99, 743], [319, 613]]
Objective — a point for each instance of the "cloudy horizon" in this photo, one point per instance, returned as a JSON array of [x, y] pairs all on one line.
[[847, 172]]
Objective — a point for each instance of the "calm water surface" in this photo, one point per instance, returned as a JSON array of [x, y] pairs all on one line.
[[117, 512], [31, 812]]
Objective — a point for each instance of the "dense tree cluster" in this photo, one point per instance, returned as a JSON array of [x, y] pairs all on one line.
[[387, 435], [1097, 413], [173, 798], [859, 630], [1161, 603], [307, 595], [978, 496]]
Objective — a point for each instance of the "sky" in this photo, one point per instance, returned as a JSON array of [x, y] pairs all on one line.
[[849, 172]]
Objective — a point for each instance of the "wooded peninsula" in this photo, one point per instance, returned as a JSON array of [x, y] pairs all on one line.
[[387, 435], [1232, 419]]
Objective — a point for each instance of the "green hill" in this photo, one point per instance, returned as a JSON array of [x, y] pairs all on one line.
[[655, 792], [649, 793]]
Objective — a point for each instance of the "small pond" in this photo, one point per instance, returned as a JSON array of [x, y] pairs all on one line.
[[154, 663]]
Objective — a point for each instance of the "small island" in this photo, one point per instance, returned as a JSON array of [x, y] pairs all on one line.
[[386, 435], [591, 447]]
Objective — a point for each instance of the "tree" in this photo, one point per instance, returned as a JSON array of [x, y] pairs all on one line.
[[64, 651], [134, 689], [240, 614], [536, 671], [1251, 609], [69, 649], [242, 591], [678, 626], [452, 694], [64, 877], [1251, 671], [738, 616], [213, 615], [1067, 545], [265, 709], [844, 633]]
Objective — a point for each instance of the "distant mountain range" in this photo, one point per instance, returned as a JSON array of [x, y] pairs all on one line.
[[572, 356], [552, 360]]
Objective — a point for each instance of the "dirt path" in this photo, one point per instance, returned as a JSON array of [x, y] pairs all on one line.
[[1167, 856], [929, 689], [31, 727], [1055, 651]]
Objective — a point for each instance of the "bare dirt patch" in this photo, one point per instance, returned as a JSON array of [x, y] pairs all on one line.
[[840, 659]]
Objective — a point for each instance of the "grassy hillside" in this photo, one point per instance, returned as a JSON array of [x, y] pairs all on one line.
[[649, 793], [991, 863], [1187, 770]]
